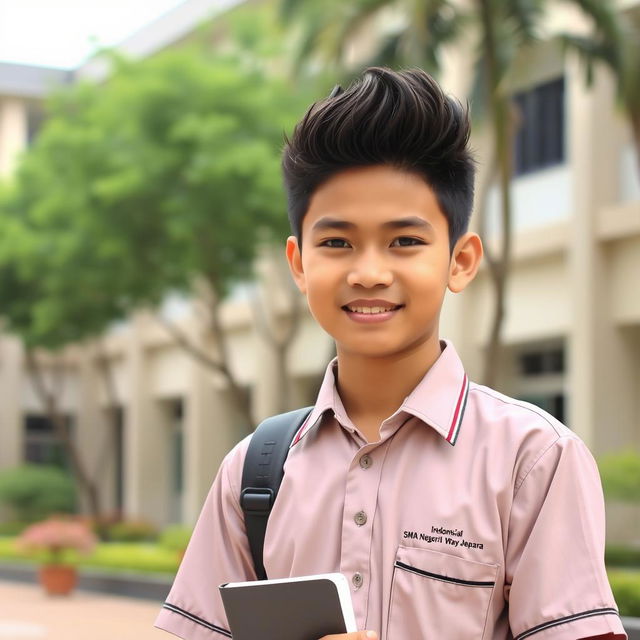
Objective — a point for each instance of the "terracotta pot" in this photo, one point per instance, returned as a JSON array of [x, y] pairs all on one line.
[[58, 579]]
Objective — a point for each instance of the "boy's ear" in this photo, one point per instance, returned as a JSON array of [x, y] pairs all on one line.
[[294, 258], [465, 261]]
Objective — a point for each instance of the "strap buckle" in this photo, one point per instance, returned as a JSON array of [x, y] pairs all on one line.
[[256, 500]]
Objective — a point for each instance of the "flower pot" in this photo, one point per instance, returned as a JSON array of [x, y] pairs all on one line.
[[58, 579]]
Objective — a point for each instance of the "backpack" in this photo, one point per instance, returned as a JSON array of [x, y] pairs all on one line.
[[262, 475]]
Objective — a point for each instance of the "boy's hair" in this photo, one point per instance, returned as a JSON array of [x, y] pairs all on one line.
[[397, 118]]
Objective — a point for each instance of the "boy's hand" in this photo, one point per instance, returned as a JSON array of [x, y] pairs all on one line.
[[358, 635]]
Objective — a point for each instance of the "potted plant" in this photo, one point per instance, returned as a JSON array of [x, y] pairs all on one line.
[[55, 539]]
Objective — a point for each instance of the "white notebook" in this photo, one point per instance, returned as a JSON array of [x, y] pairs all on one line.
[[304, 608]]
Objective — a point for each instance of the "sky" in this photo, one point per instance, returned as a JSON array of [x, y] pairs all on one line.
[[63, 33]]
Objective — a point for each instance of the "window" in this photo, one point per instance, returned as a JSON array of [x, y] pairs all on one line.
[[540, 362], [541, 379], [539, 140], [41, 444], [176, 460], [118, 446]]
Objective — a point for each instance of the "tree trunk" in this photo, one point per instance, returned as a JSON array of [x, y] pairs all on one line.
[[104, 366], [502, 127], [219, 365], [280, 339], [86, 484]]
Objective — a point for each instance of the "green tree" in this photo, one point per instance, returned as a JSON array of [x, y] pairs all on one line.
[[166, 175], [415, 32]]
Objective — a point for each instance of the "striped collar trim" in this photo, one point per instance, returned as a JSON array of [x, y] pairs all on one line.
[[439, 400], [461, 405]]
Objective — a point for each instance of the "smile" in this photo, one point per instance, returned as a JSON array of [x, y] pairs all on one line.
[[370, 310]]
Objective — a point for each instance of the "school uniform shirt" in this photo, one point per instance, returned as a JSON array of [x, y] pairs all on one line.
[[475, 516]]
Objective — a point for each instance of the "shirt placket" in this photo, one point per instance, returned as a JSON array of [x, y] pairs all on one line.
[[361, 491]]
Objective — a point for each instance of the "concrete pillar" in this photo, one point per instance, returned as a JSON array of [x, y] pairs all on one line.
[[94, 434], [274, 281], [12, 380], [146, 438], [210, 431], [592, 353], [13, 132]]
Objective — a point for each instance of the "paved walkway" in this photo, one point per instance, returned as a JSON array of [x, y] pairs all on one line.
[[27, 613]]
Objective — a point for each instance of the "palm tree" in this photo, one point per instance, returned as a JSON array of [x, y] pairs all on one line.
[[415, 33]]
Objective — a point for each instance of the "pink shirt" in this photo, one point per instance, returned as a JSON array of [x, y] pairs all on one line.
[[474, 516]]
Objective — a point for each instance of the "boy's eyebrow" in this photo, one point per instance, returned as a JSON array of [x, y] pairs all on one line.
[[327, 222]]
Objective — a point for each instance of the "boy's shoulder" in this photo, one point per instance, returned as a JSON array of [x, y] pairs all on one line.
[[519, 434], [493, 408]]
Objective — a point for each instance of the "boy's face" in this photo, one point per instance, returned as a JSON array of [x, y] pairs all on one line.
[[375, 262]]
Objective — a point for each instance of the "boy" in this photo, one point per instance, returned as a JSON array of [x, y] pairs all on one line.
[[455, 512]]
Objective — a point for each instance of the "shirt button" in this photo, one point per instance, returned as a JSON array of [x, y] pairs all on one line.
[[360, 518], [357, 580], [366, 461]]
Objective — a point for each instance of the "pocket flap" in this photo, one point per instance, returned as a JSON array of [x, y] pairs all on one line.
[[445, 567]]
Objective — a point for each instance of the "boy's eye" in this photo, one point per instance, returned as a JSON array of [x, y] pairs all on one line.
[[335, 243], [406, 242]]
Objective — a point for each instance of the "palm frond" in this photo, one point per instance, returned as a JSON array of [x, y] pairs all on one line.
[[525, 18]]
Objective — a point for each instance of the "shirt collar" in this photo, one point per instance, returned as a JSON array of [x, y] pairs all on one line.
[[439, 399]]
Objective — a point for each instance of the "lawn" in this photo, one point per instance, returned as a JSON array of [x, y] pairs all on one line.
[[122, 556]]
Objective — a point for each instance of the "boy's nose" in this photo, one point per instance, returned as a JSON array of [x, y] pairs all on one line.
[[370, 271]]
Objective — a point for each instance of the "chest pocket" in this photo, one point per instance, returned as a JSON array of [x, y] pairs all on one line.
[[436, 595]]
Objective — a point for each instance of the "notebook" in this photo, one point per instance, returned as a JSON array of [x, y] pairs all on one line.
[[304, 608]]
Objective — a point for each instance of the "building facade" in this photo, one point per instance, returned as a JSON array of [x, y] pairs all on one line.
[[154, 430]]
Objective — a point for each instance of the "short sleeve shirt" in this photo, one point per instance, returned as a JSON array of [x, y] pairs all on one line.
[[475, 516]]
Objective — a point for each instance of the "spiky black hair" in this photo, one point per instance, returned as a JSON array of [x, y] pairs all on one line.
[[398, 118]]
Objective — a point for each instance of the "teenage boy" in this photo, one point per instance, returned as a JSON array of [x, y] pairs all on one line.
[[455, 512]]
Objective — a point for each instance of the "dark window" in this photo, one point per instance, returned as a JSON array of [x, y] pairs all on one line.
[[177, 448], [41, 444], [551, 403], [539, 140], [537, 363], [118, 444]]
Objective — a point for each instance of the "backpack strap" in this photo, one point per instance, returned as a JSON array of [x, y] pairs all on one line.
[[262, 474]]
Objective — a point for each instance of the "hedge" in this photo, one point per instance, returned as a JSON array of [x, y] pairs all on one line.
[[34, 492], [625, 585], [622, 556]]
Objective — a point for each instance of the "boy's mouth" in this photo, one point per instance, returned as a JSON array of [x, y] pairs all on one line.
[[371, 307], [370, 310]]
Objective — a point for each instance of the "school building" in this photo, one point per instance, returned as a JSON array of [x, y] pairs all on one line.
[[154, 432]]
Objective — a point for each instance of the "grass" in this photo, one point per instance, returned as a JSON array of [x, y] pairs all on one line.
[[112, 556]]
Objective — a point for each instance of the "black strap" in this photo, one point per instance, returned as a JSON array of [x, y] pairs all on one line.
[[262, 474]]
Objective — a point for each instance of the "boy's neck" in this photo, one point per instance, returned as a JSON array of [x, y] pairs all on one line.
[[372, 389]]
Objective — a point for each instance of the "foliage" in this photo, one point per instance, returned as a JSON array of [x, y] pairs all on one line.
[[622, 556], [168, 171], [34, 492], [56, 536], [113, 556], [620, 474], [175, 537], [133, 557], [626, 590], [131, 531], [12, 527]]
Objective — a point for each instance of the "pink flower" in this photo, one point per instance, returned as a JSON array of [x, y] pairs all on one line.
[[56, 535]]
